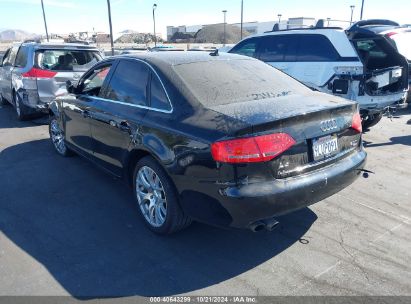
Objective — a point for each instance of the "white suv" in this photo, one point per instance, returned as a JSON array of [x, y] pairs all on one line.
[[355, 64]]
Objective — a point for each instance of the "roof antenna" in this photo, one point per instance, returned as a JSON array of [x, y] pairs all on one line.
[[215, 53]]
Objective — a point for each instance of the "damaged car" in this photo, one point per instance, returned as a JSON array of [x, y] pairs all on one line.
[[356, 64], [216, 138], [32, 74]]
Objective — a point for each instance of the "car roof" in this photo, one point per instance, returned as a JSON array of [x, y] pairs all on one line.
[[310, 30], [182, 57], [45, 45]]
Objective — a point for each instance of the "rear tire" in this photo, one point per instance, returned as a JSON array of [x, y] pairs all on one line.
[[3, 101], [372, 120], [58, 139], [157, 198], [21, 109]]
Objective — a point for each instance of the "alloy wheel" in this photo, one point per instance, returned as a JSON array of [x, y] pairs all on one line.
[[57, 137], [151, 196]]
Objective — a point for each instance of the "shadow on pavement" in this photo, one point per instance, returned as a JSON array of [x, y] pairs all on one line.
[[8, 119], [83, 226], [400, 140]]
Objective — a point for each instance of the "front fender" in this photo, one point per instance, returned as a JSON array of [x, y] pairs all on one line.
[[54, 108]]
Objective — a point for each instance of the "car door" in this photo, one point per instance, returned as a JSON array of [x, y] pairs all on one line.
[[3, 67], [6, 72], [77, 108], [119, 114]]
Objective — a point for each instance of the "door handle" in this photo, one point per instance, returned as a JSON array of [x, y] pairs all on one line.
[[86, 114], [124, 126]]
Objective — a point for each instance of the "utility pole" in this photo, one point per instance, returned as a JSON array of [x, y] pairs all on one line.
[[225, 22], [352, 12], [279, 19], [154, 21], [45, 23], [111, 27], [362, 9], [242, 15]]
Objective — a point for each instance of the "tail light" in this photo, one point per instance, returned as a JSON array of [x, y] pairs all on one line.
[[38, 73], [390, 34], [357, 122], [251, 150]]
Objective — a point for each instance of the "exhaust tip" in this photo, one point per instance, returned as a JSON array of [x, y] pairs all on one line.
[[270, 224], [257, 226]]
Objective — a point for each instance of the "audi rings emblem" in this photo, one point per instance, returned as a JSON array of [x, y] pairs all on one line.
[[328, 125]]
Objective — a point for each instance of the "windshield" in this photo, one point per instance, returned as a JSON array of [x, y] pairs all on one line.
[[66, 60], [221, 82]]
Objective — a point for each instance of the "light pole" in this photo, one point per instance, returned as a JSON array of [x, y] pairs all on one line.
[[242, 15], [352, 12], [225, 22], [328, 22], [45, 23], [279, 18], [111, 28], [154, 21], [362, 9]]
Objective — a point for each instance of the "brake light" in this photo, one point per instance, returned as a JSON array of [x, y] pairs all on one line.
[[251, 150], [357, 122], [38, 73], [390, 34]]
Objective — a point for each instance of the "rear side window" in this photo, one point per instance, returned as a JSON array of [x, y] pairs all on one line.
[[5, 57], [21, 58], [278, 48], [316, 48], [10, 58], [66, 60], [129, 83], [159, 99], [246, 48]]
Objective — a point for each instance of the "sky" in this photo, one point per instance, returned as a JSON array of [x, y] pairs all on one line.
[[65, 16]]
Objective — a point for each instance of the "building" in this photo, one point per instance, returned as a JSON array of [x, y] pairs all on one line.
[[253, 28], [300, 22]]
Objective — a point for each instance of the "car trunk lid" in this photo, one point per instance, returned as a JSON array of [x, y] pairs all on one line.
[[316, 122]]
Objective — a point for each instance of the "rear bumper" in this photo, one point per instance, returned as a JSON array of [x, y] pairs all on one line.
[[239, 206], [376, 104]]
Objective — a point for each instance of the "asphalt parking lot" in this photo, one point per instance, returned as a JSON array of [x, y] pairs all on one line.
[[67, 228]]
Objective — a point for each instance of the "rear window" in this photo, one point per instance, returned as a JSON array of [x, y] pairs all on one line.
[[221, 82], [374, 53], [66, 60]]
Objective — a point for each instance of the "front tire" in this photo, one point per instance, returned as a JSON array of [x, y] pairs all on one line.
[[157, 198], [58, 139]]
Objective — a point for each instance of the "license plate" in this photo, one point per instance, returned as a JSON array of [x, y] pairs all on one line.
[[324, 147]]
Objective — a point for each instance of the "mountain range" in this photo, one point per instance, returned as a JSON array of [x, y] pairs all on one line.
[[8, 35]]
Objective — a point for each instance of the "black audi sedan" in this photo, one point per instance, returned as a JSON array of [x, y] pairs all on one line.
[[217, 138]]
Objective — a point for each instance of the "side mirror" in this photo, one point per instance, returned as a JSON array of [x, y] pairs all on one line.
[[71, 87]]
